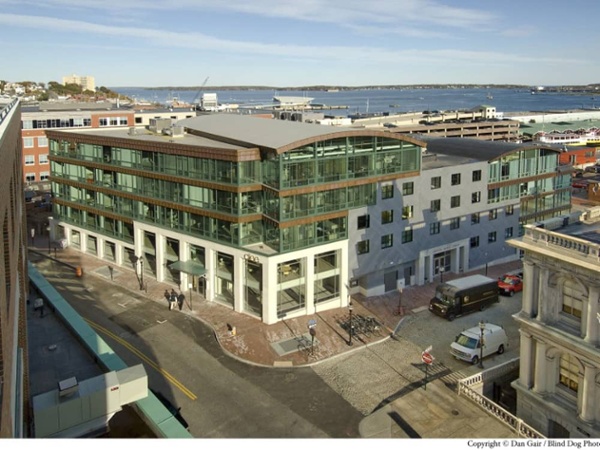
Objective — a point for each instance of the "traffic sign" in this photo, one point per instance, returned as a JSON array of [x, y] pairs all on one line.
[[427, 358]]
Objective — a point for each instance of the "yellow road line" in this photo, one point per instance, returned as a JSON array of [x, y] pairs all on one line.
[[143, 357]]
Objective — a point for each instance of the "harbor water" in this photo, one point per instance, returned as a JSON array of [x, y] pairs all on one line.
[[361, 101]]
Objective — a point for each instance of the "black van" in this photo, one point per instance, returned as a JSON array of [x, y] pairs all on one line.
[[464, 295]]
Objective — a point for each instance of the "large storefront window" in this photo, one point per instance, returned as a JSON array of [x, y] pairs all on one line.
[[172, 255], [291, 292], [253, 286], [327, 276], [224, 278]]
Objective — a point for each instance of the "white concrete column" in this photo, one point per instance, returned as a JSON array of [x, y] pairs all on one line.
[[239, 280], [591, 329], [161, 244], [211, 273], [588, 394], [542, 302], [270, 291], [100, 247], [528, 287], [526, 360], [309, 280], [540, 368], [118, 253]]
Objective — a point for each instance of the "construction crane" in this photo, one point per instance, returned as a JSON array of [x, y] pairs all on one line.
[[196, 100]]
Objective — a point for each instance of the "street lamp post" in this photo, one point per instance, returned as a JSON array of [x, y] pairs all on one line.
[[350, 322], [141, 260], [349, 314], [486, 264], [191, 286], [399, 312], [48, 229], [481, 343]]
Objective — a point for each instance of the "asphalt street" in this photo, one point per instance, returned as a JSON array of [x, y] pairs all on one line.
[[223, 397], [220, 397]]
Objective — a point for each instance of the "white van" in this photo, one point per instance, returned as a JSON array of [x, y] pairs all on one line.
[[466, 346]]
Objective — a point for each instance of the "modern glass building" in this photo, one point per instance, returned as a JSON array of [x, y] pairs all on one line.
[[250, 212], [279, 219]]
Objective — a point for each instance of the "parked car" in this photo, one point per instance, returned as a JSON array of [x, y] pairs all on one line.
[[580, 184], [577, 173], [510, 284], [594, 169]]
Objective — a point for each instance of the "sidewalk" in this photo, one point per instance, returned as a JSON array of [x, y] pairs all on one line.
[[284, 344]]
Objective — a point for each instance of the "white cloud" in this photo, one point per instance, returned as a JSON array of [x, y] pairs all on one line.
[[400, 13], [200, 41]]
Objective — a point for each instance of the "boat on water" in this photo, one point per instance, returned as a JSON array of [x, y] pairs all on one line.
[[590, 137]]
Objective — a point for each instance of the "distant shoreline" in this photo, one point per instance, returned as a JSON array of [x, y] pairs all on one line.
[[586, 89]]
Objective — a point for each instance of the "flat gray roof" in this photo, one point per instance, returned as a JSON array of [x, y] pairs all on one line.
[[143, 134], [479, 149], [258, 132]]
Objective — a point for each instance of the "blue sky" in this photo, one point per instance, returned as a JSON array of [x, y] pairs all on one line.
[[303, 42]]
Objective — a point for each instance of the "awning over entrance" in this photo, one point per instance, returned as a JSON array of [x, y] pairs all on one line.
[[189, 267]]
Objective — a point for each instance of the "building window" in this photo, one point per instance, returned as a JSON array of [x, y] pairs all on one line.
[[30, 177], [103, 121], [43, 159], [474, 242], [44, 176], [138, 120], [476, 197], [362, 222], [387, 241], [387, 216], [436, 182], [455, 201], [475, 217], [434, 228], [362, 247], [29, 160], [407, 236], [42, 141], [408, 188], [492, 237], [510, 210], [435, 205], [27, 142], [571, 300], [493, 214], [508, 233], [387, 191], [407, 212], [568, 373], [455, 179], [455, 223], [493, 195], [477, 175]]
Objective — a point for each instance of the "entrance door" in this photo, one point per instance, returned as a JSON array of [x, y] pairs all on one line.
[[442, 260], [201, 286], [390, 281]]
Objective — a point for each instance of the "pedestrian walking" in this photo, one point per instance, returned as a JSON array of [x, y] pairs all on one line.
[[181, 299]]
